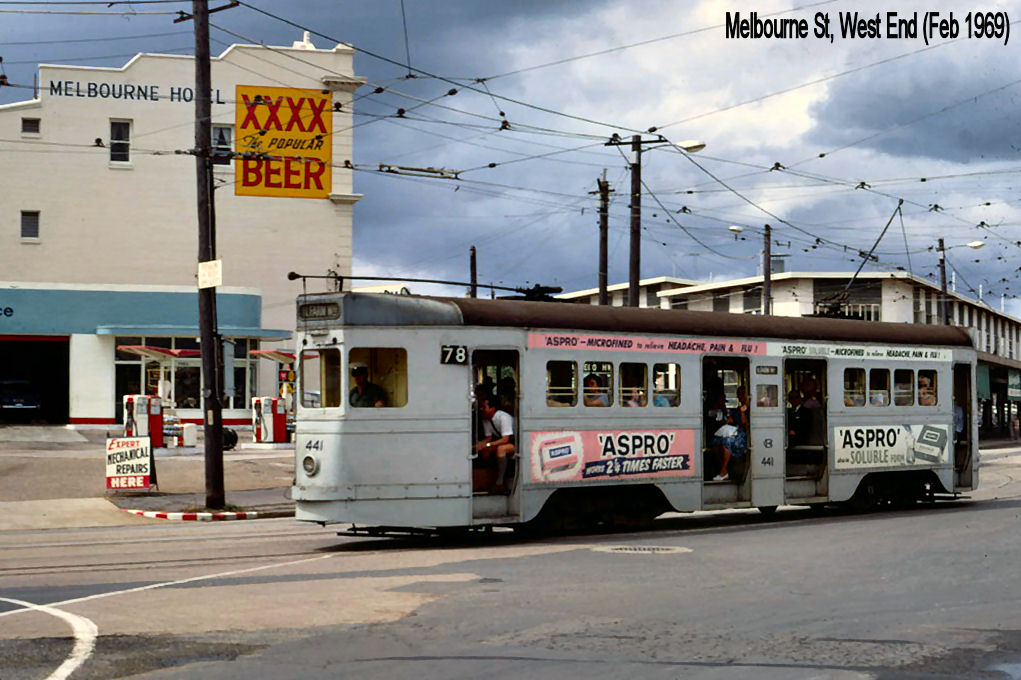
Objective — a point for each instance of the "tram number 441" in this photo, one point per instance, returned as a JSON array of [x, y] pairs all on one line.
[[454, 354]]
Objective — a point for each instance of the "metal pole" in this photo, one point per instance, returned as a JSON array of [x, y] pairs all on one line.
[[474, 290], [207, 296], [944, 308], [767, 272], [604, 230], [634, 270]]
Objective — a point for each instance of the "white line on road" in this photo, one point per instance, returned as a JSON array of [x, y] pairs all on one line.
[[152, 586], [85, 632]]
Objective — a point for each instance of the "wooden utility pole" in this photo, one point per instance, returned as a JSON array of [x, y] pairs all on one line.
[[767, 271], [944, 308], [635, 261], [210, 341], [604, 227], [474, 288]]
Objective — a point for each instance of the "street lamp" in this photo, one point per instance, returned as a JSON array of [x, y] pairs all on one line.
[[942, 249], [735, 230]]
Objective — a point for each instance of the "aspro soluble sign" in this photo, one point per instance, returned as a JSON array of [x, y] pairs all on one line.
[[289, 134], [129, 464]]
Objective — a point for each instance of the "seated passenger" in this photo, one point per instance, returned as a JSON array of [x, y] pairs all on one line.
[[497, 439], [365, 394], [634, 397], [594, 392], [926, 395], [879, 398], [810, 393]]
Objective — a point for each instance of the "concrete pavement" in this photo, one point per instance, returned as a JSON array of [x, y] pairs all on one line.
[[54, 477]]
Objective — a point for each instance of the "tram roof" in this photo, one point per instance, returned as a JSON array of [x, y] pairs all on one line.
[[394, 310]]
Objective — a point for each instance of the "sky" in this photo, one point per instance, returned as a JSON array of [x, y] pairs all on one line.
[[828, 142]]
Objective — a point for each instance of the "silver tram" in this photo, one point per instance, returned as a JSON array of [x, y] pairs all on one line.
[[616, 411]]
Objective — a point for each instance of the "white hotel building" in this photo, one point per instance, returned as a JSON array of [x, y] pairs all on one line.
[[98, 232]]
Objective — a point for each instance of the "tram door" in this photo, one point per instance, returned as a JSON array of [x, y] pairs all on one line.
[[805, 394], [725, 450], [962, 426], [495, 378]]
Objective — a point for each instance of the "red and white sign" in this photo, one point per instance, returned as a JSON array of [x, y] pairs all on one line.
[[635, 343], [606, 454], [129, 464]]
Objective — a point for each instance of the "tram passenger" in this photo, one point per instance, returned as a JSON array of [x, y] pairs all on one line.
[[365, 394], [731, 438], [810, 393], [594, 393], [799, 420], [497, 438], [926, 395]]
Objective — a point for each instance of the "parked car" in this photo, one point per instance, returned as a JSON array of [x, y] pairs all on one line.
[[18, 395]]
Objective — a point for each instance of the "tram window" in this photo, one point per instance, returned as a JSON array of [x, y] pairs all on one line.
[[903, 387], [320, 378], [766, 396], [879, 387], [634, 384], [598, 383], [666, 380], [927, 388], [561, 383], [854, 387], [387, 369]]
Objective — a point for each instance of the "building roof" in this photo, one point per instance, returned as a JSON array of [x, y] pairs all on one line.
[[624, 286]]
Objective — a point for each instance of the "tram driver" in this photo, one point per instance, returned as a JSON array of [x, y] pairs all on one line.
[[365, 394], [497, 438]]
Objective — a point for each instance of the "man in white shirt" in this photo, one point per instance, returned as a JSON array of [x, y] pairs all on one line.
[[497, 439]]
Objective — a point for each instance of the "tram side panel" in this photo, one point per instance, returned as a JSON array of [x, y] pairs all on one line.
[[566, 444], [873, 435], [406, 464]]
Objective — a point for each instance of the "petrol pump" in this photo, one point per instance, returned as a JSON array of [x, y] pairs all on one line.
[[143, 417], [269, 420]]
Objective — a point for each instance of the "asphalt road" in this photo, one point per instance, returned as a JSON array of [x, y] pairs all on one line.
[[921, 593]]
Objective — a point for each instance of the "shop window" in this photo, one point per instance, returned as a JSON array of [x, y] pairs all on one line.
[[854, 387], [927, 388], [379, 377], [597, 383], [120, 141], [30, 224], [666, 381], [634, 385], [187, 385], [879, 387], [561, 383], [320, 378], [903, 387], [223, 147], [30, 126], [127, 356]]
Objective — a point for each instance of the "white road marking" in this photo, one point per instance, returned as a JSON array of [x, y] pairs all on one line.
[[222, 574], [85, 632]]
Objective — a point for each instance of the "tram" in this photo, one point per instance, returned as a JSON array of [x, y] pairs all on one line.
[[617, 413]]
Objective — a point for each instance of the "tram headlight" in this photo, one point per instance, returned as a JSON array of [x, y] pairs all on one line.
[[310, 465]]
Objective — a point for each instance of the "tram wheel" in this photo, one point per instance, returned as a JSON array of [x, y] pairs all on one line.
[[767, 510]]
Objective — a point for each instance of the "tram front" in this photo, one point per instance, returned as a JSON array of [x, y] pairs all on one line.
[[381, 435]]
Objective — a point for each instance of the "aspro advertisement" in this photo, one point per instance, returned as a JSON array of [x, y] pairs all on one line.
[[574, 456], [129, 464], [875, 446], [291, 130]]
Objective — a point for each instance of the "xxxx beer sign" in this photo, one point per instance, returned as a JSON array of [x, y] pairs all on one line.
[[291, 132]]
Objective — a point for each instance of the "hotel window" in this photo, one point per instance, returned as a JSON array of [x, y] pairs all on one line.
[[120, 141], [30, 126], [30, 224], [223, 136]]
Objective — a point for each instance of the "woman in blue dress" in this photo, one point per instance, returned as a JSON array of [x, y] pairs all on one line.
[[731, 439]]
